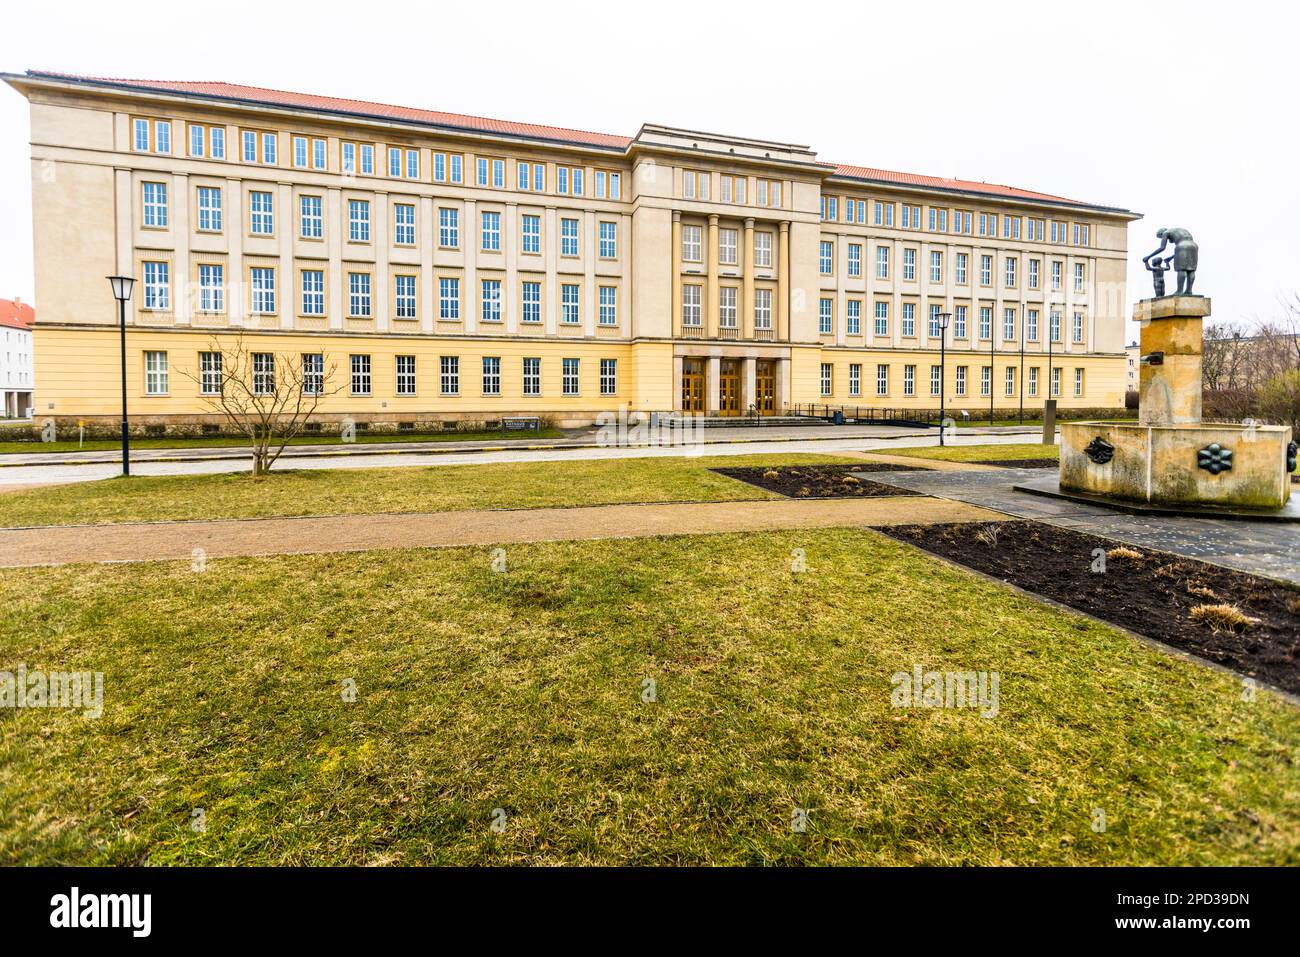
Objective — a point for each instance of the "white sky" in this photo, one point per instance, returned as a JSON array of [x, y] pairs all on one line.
[[1183, 111]]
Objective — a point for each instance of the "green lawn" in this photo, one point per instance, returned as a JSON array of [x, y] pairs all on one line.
[[367, 491], [522, 691], [227, 441], [976, 453]]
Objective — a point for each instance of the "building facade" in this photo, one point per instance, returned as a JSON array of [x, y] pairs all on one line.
[[450, 267], [16, 370]]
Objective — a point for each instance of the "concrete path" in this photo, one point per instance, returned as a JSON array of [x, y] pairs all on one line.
[[1257, 548], [64, 471], [60, 545]]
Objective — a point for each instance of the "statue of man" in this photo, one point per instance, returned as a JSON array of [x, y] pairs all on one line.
[[1185, 254]]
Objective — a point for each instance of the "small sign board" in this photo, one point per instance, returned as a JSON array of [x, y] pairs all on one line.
[[522, 423]]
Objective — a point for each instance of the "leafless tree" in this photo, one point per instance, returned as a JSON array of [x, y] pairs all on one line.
[[1223, 357], [266, 396]]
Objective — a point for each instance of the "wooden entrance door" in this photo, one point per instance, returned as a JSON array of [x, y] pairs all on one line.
[[765, 386], [692, 385], [729, 387]]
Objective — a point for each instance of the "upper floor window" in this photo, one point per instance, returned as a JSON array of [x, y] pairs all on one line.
[[909, 265], [404, 224], [830, 208], [882, 262], [490, 172], [310, 218], [986, 270], [692, 244], [568, 237], [763, 250], [1034, 229], [568, 180], [961, 221], [768, 192], [960, 269], [261, 213], [357, 159], [448, 228], [911, 217], [531, 233], [608, 240], [695, 184], [448, 167], [884, 214], [827, 257], [1010, 227], [207, 141], [209, 207], [936, 266], [358, 220], [728, 244], [532, 176], [259, 146], [988, 224], [609, 185], [1011, 270], [1078, 277], [491, 232], [938, 220], [731, 189], [1079, 234], [154, 205], [855, 259]]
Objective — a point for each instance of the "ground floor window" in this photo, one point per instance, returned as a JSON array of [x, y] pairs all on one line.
[[532, 376], [406, 375], [1011, 380], [909, 380], [1056, 381], [491, 375], [209, 373], [986, 380], [608, 376], [855, 379], [882, 379], [1078, 382], [313, 373], [961, 380], [449, 378], [360, 375], [263, 373], [827, 377], [155, 373], [570, 376], [936, 380]]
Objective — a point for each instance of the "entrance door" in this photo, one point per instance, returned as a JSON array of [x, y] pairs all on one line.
[[692, 385], [765, 386], [729, 387]]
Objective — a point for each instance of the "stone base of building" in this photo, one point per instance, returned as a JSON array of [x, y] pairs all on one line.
[[1205, 465]]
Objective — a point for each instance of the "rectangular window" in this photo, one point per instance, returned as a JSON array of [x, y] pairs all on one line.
[[311, 221], [449, 299], [609, 377], [300, 152], [449, 375], [197, 137], [855, 260], [608, 241], [1056, 274], [608, 301], [359, 295], [1011, 380], [882, 379], [248, 142], [1056, 381], [762, 308], [491, 300], [986, 322], [209, 373], [263, 373], [406, 375], [825, 317], [830, 208], [448, 228], [936, 380], [884, 214], [909, 265], [853, 317], [692, 244], [1078, 382], [882, 262], [404, 224], [827, 379], [569, 303], [532, 376], [1009, 324], [732, 189], [491, 232], [210, 209], [1010, 227], [882, 317], [404, 297], [909, 380], [1077, 327], [360, 375], [911, 216], [313, 292], [1010, 270], [261, 213], [1078, 277], [1031, 325], [568, 237], [763, 250], [270, 144], [986, 380], [961, 269], [961, 381], [986, 270], [728, 247], [691, 310], [162, 143], [318, 154], [212, 287], [348, 158], [570, 376], [394, 161], [358, 220], [1033, 274], [154, 201], [933, 328], [531, 236], [938, 220], [959, 322], [313, 373], [855, 379], [936, 266], [1033, 381], [155, 373], [157, 286], [827, 257], [1054, 325], [909, 319], [727, 307], [532, 302], [140, 135], [491, 375]]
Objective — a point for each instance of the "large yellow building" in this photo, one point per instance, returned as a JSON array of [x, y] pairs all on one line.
[[453, 267]]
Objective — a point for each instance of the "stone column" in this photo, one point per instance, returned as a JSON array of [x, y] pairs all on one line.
[[711, 286], [747, 291], [783, 283], [678, 369], [1170, 389], [749, 395], [674, 258], [712, 384]]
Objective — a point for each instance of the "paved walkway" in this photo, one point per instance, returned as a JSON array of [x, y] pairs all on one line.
[[60, 545], [1259, 548]]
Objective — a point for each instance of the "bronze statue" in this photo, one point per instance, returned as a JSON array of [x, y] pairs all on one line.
[[1158, 268], [1185, 254]]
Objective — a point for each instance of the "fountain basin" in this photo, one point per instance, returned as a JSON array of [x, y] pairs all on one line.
[[1193, 464]]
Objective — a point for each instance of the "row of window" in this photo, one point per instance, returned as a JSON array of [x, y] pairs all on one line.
[[156, 295], [827, 382], [698, 184], [728, 246], [1010, 321], [209, 203], [961, 267], [356, 158], [312, 374], [961, 222]]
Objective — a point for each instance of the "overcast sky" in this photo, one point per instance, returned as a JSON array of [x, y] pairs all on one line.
[[1185, 112]]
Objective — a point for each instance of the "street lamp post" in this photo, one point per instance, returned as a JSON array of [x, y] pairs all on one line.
[[1023, 321], [943, 318], [1047, 389], [993, 340], [122, 286]]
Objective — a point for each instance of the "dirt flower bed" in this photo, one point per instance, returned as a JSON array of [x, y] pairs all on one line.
[[1020, 463], [1248, 624], [819, 481]]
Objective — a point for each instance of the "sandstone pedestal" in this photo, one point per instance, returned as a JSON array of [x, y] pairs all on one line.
[[1170, 457]]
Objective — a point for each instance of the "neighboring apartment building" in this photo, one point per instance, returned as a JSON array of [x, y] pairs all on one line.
[[16, 368], [1133, 353], [456, 267]]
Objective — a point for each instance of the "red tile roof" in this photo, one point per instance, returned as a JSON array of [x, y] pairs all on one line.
[[16, 314], [460, 121]]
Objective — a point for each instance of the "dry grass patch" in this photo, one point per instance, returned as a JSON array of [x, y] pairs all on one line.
[[1222, 617]]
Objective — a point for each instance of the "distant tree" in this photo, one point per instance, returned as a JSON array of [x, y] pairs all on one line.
[[266, 396], [1279, 400], [1223, 356]]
